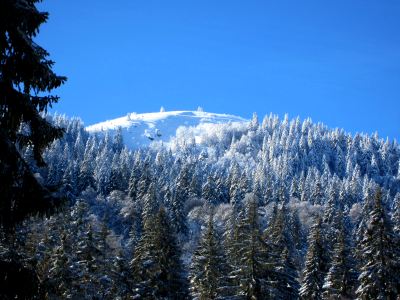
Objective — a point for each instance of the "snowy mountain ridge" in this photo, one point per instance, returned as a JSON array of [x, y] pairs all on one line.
[[142, 129]]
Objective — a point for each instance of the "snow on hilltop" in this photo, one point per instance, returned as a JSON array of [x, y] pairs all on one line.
[[142, 129]]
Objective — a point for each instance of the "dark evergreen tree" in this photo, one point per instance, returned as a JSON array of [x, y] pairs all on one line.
[[209, 269], [286, 284], [209, 191], [85, 177], [298, 236], [282, 253], [179, 198], [156, 268], [380, 272], [396, 214], [59, 276], [133, 181], [116, 176], [341, 278], [316, 264], [121, 277], [251, 277], [86, 265], [26, 79]]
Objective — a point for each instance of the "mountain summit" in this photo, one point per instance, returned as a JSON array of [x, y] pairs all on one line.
[[142, 129]]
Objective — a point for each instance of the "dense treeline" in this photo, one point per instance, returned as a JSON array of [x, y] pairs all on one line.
[[277, 210]]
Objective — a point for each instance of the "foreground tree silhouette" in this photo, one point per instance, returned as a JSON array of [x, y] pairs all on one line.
[[26, 79]]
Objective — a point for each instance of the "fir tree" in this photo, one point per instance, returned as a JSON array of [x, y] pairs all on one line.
[[209, 191], [88, 265], [209, 268], [25, 74], [179, 199], [396, 214], [316, 265], [379, 277], [133, 181], [280, 238], [286, 285], [341, 278], [26, 79], [59, 277], [252, 274], [156, 267]]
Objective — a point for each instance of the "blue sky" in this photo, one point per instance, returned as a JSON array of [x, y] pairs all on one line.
[[337, 62]]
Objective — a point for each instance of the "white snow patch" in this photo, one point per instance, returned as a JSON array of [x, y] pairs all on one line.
[[142, 129]]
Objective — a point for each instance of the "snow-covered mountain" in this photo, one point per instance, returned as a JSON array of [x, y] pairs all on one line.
[[142, 129]]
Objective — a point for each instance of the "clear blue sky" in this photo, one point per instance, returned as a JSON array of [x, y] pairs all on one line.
[[337, 62]]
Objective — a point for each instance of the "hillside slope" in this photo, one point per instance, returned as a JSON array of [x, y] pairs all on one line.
[[142, 129]]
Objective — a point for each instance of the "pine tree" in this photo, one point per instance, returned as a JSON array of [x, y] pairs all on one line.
[[179, 199], [85, 177], [25, 73], [102, 171], [156, 266], [379, 277], [298, 235], [280, 238], [286, 285], [209, 191], [341, 278], [317, 196], [26, 79], [209, 267], [251, 277], [316, 265], [88, 265], [116, 176], [236, 193], [133, 181], [121, 279], [396, 214], [59, 277]]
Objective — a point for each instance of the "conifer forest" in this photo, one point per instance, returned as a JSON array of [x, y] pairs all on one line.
[[266, 209]]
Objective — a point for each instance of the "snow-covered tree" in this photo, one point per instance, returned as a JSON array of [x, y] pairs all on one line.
[[156, 267], [316, 264], [341, 278], [252, 271], [380, 272], [209, 268]]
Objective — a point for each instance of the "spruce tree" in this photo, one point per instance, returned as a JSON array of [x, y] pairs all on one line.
[[251, 277], [396, 214], [316, 265], [341, 278], [156, 266], [209, 191], [380, 272], [286, 284], [59, 277], [133, 181], [121, 279], [26, 80], [209, 268], [179, 199], [282, 253]]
